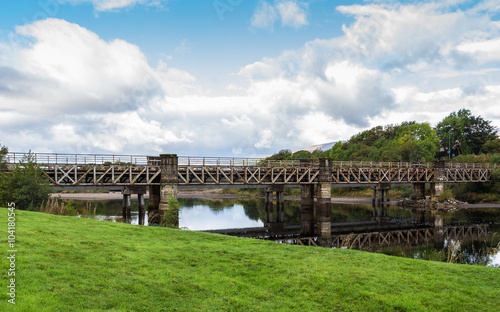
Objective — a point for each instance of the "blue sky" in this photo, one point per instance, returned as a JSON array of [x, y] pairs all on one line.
[[237, 78]]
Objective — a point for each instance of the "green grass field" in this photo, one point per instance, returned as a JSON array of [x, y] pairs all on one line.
[[70, 264]]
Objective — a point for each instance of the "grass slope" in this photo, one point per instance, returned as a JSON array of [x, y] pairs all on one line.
[[71, 264]]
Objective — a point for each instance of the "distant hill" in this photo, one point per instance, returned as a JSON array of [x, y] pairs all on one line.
[[323, 147]]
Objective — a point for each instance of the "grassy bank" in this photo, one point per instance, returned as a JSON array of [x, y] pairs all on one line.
[[70, 264]]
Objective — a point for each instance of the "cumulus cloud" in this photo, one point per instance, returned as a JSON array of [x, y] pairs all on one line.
[[358, 77], [74, 70], [69, 86], [290, 13]]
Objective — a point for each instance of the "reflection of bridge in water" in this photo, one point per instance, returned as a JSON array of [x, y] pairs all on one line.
[[164, 175], [401, 237], [381, 231]]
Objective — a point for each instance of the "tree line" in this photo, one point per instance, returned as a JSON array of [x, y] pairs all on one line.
[[459, 136]]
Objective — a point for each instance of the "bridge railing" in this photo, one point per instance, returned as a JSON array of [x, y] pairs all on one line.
[[241, 162], [78, 159], [261, 162], [453, 165], [101, 159]]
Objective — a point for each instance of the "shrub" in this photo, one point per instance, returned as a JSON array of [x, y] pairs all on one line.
[[446, 195], [171, 216], [495, 159], [26, 185]]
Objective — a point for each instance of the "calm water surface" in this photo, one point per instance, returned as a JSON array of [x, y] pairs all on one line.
[[211, 214]]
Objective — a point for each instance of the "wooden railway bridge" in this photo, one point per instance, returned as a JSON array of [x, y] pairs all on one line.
[[163, 175]]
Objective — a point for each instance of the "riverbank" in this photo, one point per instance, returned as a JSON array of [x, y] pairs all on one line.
[[73, 264]]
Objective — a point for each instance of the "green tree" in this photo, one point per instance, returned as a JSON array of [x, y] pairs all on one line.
[[26, 185], [281, 155], [336, 152], [492, 146], [362, 152], [463, 133], [418, 142], [301, 155], [391, 152]]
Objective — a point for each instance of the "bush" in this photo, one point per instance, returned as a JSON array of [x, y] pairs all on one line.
[[26, 185], [446, 195], [171, 216], [495, 159]]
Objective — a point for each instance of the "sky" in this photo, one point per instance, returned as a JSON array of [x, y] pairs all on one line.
[[237, 78]]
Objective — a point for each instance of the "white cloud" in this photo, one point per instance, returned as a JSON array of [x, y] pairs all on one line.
[[72, 69], [392, 60], [264, 16], [291, 13], [482, 50], [265, 139], [111, 5]]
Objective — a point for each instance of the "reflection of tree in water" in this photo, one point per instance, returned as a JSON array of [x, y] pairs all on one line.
[[351, 213], [474, 215], [254, 207], [255, 210], [103, 207]]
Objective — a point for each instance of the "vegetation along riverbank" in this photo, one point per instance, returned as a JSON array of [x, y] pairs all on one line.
[[71, 264]]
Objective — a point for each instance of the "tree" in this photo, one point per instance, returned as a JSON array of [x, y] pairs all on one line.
[[301, 155], [463, 133], [492, 146], [391, 152], [418, 142], [336, 152], [26, 185], [281, 155]]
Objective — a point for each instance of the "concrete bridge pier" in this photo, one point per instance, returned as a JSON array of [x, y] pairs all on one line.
[[324, 210], [169, 181], [142, 210], [127, 199], [126, 203], [436, 190], [324, 202], [154, 203], [418, 191], [381, 193], [437, 185]]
